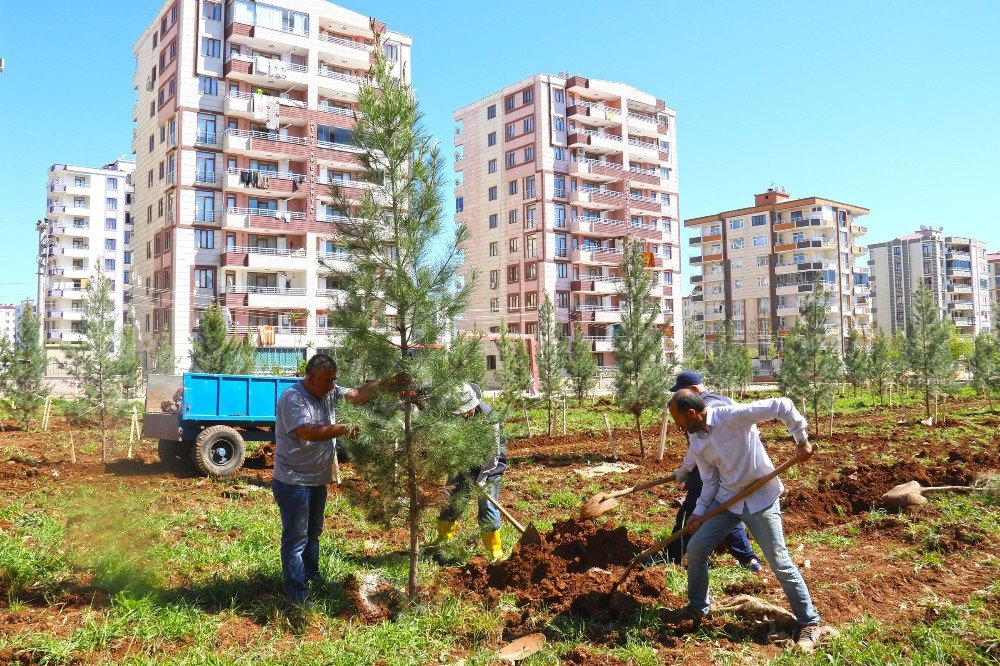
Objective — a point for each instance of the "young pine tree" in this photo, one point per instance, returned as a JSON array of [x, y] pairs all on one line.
[[812, 355], [581, 366], [22, 368], [899, 367], [856, 359], [728, 367], [162, 355], [928, 352], [514, 374], [641, 370], [402, 293], [694, 346], [879, 367], [984, 363], [128, 361], [94, 363], [551, 351], [213, 351]]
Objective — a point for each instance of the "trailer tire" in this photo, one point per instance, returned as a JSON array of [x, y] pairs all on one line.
[[173, 454], [218, 451]]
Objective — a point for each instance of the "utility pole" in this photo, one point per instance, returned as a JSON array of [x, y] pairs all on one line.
[[44, 242]]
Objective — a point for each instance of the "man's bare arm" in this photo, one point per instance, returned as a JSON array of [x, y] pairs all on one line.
[[312, 432], [364, 393]]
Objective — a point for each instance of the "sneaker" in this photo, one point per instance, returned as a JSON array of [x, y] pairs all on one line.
[[808, 638]]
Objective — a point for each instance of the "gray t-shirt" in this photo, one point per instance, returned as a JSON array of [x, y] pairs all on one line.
[[297, 461]]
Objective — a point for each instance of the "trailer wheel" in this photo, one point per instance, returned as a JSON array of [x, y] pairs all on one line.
[[218, 451], [173, 454]]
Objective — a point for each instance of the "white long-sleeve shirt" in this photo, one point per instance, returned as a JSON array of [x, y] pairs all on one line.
[[730, 456]]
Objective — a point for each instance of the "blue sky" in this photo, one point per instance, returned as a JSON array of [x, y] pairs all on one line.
[[892, 105]]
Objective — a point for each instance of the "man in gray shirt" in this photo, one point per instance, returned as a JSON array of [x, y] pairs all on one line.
[[305, 433]]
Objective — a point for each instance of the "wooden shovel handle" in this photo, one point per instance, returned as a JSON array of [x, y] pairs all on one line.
[[746, 492], [641, 486], [506, 514], [947, 489]]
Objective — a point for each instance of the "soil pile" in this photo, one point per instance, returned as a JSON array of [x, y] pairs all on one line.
[[572, 571]]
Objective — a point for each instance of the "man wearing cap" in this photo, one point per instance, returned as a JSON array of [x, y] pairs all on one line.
[[737, 540], [488, 475]]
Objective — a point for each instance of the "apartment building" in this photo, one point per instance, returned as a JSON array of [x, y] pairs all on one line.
[[87, 230], [242, 123], [953, 268], [8, 321], [553, 173], [757, 265], [993, 261]]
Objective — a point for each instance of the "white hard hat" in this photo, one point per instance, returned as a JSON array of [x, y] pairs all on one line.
[[467, 398]]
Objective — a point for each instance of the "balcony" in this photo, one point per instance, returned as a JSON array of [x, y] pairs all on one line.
[[786, 267], [271, 297], [356, 55], [597, 285], [963, 322], [644, 122], [961, 305], [960, 288], [68, 314], [594, 113], [72, 251], [643, 149], [814, 243], [595, 197], [341, 86], [785, 225], [206, 218], [789, 309], [274, 258], [72, 293], [237, 216], [65, 336], [341, 155], [601, 314], [644, 204], [959, 256], [594, 141], [600, 343], [257, 69], [278, 183], [598, 170], [264, 144]]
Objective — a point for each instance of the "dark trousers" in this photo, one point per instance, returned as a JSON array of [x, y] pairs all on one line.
[[737, 541], [301, 509]]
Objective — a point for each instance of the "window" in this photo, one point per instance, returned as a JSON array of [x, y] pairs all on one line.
[[204, 239], [494, 249], [758, 220], [494, 220], [512, 216], [559, 123], [529, 123], [491, 166], [495, 305], [759, 241], [211, 10], [559, 188], [508, 103], [529, 187], [560, 217], [735, 225], [737, 284], [111, 203], [762, 261], [491, 139], [491, 361], [531, 272], [109, 244], [391, 52], [204, 278], [562, 300], [459, 204], [529, 219], [152, 142], [529, 153], [491, 112], [512, 188], [762, 281], [513, 303], [492, 194], [110, 224], [559, 153], [562, 270], [511, 274], [510, 131], [494, 279], [211, 48], [208, 85], [526, 96], [736, 244], [510, 159], [512, 245], [109, 264], [152, 108], [558, 95], [112, 183]]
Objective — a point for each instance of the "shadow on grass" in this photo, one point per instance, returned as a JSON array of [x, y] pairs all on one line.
[[137, 467]]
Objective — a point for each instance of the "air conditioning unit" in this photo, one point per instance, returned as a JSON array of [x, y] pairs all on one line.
[[458, 182], [149, 84], [2, 64]]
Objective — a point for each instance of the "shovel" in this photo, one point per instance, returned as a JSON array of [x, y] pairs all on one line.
[[660, 545], [601, 503], [529, 535], [912, 493]]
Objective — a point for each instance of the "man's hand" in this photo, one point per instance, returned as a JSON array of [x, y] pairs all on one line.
[[804, 451], [680, 475], [693, 523], [348, 430]]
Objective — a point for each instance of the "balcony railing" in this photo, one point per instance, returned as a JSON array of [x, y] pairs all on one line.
[[266, 212], [333, 39], [330, 74], [280, 175], [244, 329], [600, 135], [639, 143], [269, 291], [207, 138], [270, 136], [336, 256], [202, 176], [267, 251]]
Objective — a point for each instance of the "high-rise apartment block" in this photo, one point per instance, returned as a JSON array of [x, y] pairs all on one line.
[[87, 231], [243, 122], [757, 264], [953, 268], [553, 173], [993, 261], [8, 321]]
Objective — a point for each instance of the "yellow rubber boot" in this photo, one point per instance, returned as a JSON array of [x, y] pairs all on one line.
[[491, 542], [446, 531]]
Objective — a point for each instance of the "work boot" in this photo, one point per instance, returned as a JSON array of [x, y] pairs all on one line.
[[446, 531], [808, 638], [491, 542], [688, 614]]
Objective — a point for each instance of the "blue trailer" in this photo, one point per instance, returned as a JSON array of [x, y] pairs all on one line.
[[207, 418]]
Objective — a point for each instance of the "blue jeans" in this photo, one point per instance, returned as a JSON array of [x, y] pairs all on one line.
[[766, 528], [458, 488], [301, 509]]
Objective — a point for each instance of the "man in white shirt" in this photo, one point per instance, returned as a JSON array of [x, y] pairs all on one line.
[[730, 457]]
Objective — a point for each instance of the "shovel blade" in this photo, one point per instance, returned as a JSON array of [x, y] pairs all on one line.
[[531, 537], [597, 506], [522, 648]]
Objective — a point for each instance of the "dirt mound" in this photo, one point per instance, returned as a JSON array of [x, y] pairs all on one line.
[[572, 571], [372, 598]]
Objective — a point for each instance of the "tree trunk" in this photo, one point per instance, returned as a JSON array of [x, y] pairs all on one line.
[[413, 511], [549, 415], [527, 421], [638, 427], [927, 402]]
